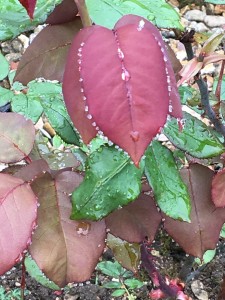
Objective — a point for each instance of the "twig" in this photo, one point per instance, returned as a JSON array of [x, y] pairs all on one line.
[[83, 12], [218, 88]]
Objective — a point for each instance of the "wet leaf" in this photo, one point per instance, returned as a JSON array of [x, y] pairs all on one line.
[[218, 189], [18, 212], [34, 271], [132, 222], [111, 181], [4, 70], [107, 13], [46, 56], [170, 191], [127, 254], [13, 13], [207, 257], [29, 6], [63, 13], [72, 248], [33, 170], [16, 139], [202, 236], [101, 69], [195, 138]]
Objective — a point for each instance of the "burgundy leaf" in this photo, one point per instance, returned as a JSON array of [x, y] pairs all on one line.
[[218, 189], [46, 56], [122, 82], [18, 212], [63, 13], [33, 170], [206, 219], [29, 6], [65, 250], [16, 137], [135, 221]]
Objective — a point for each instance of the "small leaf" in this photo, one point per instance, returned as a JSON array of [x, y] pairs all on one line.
[[207, 257], [30, 6], [112, 285], [18, 212], [16, 139], [46, 57], [118, 293], [133, 283], [202, 236], [4, 70], [212, 43], [127, 254], [170, 191], [113, 269], [72, 248], [107, 13], [195, 138], [34, 271], [111, 181]]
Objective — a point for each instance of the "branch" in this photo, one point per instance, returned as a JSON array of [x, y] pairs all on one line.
[[205, 95], [83, 12]]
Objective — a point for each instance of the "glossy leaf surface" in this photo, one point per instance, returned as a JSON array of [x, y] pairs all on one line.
[[133, 222], [111, 181], [13, 13], [127, 254], [104, 87], [107, 13], [16, 198], [29, 6], [206, 219], [169, 189], [195, 138], [218, 189], [16, 139], [68, 250], [4, 70], [46, 56]]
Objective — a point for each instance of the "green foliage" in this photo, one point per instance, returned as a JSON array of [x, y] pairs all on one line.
[[14, 294], [114, 10], [215, 1], [4, 67]]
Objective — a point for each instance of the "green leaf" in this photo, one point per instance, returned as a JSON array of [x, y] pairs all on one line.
[[118, 293], [222, 232], [4, 69], [195, 138], [111, 181], [108, 12], [133, 283], [112, 285], [5, 96], [216, 1], [207, 257], [189, 96], [113, 269], [34, 271], [170, 191], [14, 18]]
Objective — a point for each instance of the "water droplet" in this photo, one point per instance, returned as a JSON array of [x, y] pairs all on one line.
[[93, 124], [120, 53], [141, 25], [110, 143], [79, 61], [80, 50], [165, 58], [79, 54], [86, 108], [81, 79], [169, 88], [82, 44], [170, 108], [168, 79], [83, 228], [125, 75], [89, 116], [82, 90], [135, 135], [84, 98]]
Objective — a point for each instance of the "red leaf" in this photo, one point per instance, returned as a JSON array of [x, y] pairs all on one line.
[[16, 137], [63, 13], [18, 211], [33, 170], [46, 56], [123, 81], [206, 219], [65, 250], [218, 189], [132, 222], [30, 6]]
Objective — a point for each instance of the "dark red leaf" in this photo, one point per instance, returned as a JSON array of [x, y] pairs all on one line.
[[16, 137], [30, 6], [135, 221], [18, 212], [46, 56], [206, 219], [122, 82], [65, 250], [63, 13], [218, 189], [33, 170]]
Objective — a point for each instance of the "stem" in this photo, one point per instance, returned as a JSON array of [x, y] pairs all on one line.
[[205, 96], [218, 88], [23, 278], [83, 12]]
